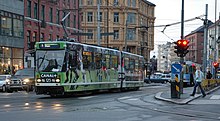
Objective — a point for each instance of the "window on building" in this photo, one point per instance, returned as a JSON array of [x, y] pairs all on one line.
[[57, 16], [90, 31], [18, 27], [51, 15], [68, 21], [131, 34], [131, 18], [50, 37], [116, 34], [58, 37], [116, 17], [129, 2], [28, 8], [74, 21], [101, 2], [133, 3], [64, 14], [34, 36], [28, 38], [42, 37], [35, 10], [43, 12], [100, 15], [89, 2], [6, 26], [116, 2], [80, 2], [89, 16]]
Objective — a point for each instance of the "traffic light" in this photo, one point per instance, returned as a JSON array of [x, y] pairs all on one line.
[[216, 64], [181, 47]]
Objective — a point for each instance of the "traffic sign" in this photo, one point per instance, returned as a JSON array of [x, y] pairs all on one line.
[[176, 68]]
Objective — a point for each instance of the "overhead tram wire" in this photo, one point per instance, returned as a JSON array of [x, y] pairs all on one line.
[[167, 25]]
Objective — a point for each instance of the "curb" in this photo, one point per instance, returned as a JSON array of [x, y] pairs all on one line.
[[181, 101]]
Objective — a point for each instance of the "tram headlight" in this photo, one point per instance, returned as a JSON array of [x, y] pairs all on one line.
[[38, 80], [57, 80]]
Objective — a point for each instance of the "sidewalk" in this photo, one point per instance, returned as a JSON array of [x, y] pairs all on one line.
[[185, 98]]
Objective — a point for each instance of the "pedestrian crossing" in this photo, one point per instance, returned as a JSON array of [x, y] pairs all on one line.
[[215, 97], [209, 99]]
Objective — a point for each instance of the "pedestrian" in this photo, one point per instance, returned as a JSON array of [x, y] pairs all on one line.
[[208, 75], [198, 79]]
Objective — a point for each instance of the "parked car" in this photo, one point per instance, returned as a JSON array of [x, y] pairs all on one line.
[[157, 78], [167, 77], [22, 80], [4, 79]]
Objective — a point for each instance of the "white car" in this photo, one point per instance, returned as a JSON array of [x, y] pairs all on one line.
[[4, 79]]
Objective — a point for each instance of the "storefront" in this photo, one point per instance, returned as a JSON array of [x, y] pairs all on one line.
[[11, 59]]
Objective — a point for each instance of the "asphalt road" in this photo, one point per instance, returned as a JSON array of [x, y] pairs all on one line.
[[121, 106]]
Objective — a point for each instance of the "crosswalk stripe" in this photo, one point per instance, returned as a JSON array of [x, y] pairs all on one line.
[[215, 97]]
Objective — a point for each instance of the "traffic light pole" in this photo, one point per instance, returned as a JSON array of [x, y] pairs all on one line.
[[182, 34], [205, 40]]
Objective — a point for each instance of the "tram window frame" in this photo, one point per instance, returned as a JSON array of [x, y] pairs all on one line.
[[107, 61], [87, 60], [126, 63], [114, 61], [136, 65], [98, 60], [131, 64]]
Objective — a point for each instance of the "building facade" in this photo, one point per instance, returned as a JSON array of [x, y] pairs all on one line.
[[44, 24], [11, 35], [166, 57], [124, 24], [196, 45]]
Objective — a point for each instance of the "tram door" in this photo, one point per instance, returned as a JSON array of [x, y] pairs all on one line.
[[73, 65]]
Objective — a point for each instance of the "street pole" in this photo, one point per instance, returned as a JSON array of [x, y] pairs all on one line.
[[98, 21], [126, 36], [182, 37], [205, 40], [215, 38]]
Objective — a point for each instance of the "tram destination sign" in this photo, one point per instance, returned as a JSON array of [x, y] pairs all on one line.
[[49, 46]]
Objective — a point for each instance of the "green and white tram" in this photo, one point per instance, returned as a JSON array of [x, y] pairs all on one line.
[[64, 67]]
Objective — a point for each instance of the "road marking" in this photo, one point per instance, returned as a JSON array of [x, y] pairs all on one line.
[[215, 97], [88, 97], [133, 99], [126, 97]]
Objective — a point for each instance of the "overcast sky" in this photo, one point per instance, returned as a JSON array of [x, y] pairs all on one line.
[[169, 11]]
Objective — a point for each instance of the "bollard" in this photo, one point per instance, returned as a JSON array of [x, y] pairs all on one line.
[[175, 88]]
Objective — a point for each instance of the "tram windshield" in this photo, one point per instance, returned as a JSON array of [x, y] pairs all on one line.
[[48, 61]]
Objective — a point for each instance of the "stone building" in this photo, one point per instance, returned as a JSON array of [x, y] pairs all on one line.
[[129, 24]]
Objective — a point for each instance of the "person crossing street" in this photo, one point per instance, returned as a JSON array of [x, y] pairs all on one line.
[[198, 79]]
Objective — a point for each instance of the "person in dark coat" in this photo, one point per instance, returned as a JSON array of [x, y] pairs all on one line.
[[208, 75]]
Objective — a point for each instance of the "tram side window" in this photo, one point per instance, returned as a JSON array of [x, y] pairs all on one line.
[[87, 60], [73, 62], [136, 65], [132, 64], [98, 60], [107, 61], [126, 63], [114, 62]]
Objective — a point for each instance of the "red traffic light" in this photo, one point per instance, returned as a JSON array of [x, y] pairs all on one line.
[[182, 43], [215, 64]]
